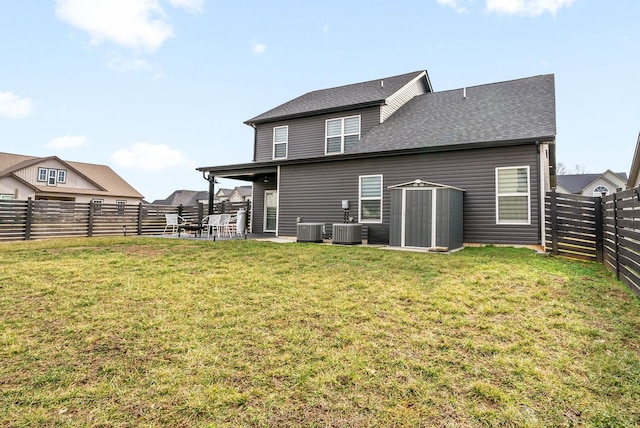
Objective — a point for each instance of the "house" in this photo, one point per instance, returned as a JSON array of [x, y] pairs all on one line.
[[634, 173], [222, 195], [51, 178], [241, 194], [592, 184], [184, 197], [350, 144]]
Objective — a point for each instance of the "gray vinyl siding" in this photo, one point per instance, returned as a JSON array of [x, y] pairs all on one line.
[[397, 100], [315, 191], [307, 134], [257, 205]]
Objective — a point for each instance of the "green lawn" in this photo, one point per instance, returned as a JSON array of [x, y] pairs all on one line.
[[164, 332]]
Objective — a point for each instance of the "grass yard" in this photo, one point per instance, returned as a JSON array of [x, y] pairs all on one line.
[[163, 332]]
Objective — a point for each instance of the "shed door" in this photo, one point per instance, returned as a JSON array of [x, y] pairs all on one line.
[[418, 217]]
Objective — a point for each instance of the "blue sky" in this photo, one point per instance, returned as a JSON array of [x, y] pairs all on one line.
[[156, 88]]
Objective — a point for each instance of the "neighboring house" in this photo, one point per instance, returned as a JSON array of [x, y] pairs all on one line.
[[184, 197], [592, 184], [352, 143], [222, 195], [51, 178], [241, 194], [634, 173]]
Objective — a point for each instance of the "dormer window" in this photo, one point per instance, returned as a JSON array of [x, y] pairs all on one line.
[[280, 142], [341, 134], [52, 176]]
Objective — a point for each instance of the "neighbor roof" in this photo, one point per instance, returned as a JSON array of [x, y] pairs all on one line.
[[350, 96], [522, 109], [102, 176], [574, 183], [183, 197]]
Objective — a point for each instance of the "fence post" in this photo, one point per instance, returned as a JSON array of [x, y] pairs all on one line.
[[140, 218], [27, 226], [615, 228], [554, 222], [599, 230], [90, 226]]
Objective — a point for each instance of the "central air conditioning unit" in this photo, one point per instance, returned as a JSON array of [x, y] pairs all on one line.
[[310, 232], [347, 233]]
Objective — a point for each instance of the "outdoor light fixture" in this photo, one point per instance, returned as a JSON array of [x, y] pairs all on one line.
[[266, 179]]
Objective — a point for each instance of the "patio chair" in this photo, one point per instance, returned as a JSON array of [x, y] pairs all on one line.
[[225, 224], [173, 222], [213, 224]]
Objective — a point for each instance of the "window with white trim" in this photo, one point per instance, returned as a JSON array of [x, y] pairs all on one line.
[[62, 176], [513, 195], [43, 173], [280, 142], [599, 190], [53, 174], [6, 196], [370, 199], [341, 134]]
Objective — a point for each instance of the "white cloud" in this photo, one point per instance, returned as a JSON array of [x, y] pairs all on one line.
[[138, 24], [66, 142], [152, 157], [511, 7], [193, 6], [14, 107], [526, 7], [258, 48], [118, 63], [452, 4]]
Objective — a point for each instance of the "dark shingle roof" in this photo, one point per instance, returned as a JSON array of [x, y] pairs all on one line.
[[357, 94], [183, 197], [505, 111], [574, 183]]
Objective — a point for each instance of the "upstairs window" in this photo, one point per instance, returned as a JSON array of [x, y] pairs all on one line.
[[280, 142], [53, 174], [598, 191], [513, 200], [342, 134]]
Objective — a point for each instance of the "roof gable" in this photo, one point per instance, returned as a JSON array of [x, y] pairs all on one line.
[[103, 177], [505, 111], [340, 98], [576, 183]]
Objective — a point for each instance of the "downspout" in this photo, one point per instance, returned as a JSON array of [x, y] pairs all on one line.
[[212, 181], [255, 141], [541, 220], [278, 201]]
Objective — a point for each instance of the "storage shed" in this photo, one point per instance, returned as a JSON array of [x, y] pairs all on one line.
[[426, 215]]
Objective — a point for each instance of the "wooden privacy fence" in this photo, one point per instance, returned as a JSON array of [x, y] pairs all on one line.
[[603, 229], [54, 219]]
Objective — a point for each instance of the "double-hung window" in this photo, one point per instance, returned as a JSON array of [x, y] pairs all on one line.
[[370, 199], [280, 142], [341, 134], [53, 174], [513, 195]]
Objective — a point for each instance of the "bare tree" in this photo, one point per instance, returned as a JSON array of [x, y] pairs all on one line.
[[561, 169]]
